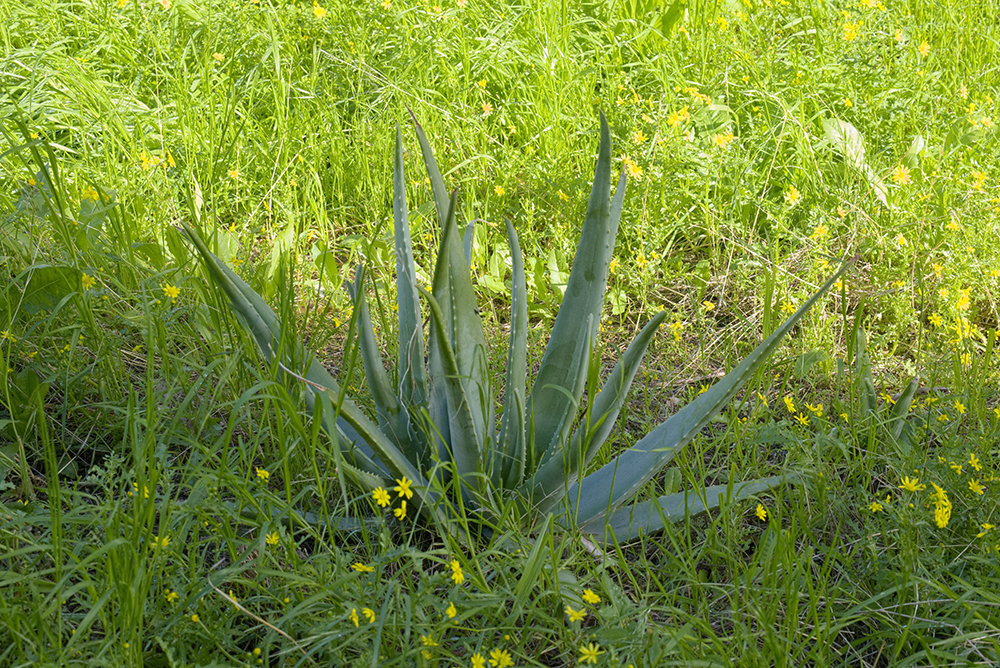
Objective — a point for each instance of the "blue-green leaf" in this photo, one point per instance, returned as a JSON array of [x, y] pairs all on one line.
[[412, 375], [464, 446], [630, 522], [456, 297], [552, 481], [390, 413], [509, 455], [616, 482], [551, 409]]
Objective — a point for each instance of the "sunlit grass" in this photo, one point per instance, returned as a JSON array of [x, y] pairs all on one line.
[[164, 501]]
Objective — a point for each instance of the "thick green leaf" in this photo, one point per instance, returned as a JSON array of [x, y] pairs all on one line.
[[465, 448], [391, 416], [344, 414], [630, 522], [46, 287], [902, 408], [508, 460], [440, 193], [552, 481], [551, 409], [616, 482], [412, 375], [457, 300]]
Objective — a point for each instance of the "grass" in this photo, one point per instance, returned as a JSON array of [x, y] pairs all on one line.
[[164, 501]]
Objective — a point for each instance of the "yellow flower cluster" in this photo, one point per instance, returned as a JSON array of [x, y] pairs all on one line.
[[404, 492]]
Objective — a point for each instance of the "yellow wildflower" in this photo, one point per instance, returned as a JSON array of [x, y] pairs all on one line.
[[456, 572], [976, 487], [500, 658], [574, 615], [381, 497], [403, 488], [912, 485], [901, 175], [272, 538], [171, 291], [400, 512], [88, 281], [761, 512], [590, 652], [319, 13], [362, 568], [792, 196], [590, 597]]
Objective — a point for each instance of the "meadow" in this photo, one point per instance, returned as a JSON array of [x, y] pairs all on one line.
[[167, 496]]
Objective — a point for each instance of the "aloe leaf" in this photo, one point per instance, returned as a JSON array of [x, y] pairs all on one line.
[[559, 463], [511, 439], [389, 411], [265, 327], [616, 482], [550, 408], [465, 448], [630, 522], [902, 408], [434, 174], [467, 237], [552, 480], [412, 375], [456, 298]]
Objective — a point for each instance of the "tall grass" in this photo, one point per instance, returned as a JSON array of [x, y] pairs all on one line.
[[164, 501]]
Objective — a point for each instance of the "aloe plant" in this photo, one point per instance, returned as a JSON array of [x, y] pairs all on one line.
[[435, 424]]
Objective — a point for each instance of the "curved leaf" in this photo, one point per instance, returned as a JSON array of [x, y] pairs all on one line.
[[392, 419], [465, 448], [412, 375], [628, 523], [616, 482], [551, 480], [550, 408], [508, 461]]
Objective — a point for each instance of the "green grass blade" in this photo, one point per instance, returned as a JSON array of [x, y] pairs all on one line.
[[630, 522], [616, 482], [508, 462], [412, 375], [550, 408], [552, 481]]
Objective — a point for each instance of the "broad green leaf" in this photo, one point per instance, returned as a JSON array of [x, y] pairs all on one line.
[[551, 409], [630, 522], [440, 193], [902, 408], [552, 481], [454, 293], [412, 375], [619, 480], [847, 140], [391, 417], [509, 455], [465, 448], [46, 287]]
